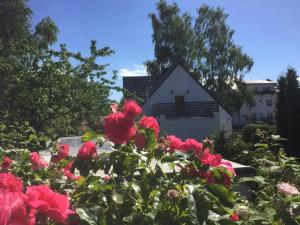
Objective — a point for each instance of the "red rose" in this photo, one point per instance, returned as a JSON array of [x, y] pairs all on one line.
[[10, 182], [175, 143], [6, 163], [118, 128], [12, 209], [234, 217], [140, 140], [87, 150], [48, 203], [192, 145], [208, 176], [131, 109], [150, 122], [63, 152], [210, 159], [37, 161], [228, 166], [67, 172]]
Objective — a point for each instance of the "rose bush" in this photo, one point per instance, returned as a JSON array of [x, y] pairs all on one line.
[[147, 180]]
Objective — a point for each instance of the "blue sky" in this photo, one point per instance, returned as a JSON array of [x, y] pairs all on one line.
[[268, 30]]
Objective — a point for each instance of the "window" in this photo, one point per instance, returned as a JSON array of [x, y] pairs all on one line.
[[267, 89], [269, 102], [253, 103], [253, 116]]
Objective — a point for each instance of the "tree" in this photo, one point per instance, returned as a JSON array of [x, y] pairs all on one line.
[[288, 110], [54, 90], [205, 47]]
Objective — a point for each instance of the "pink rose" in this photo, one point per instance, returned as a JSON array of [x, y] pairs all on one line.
[[37, 161], [10, 182], [106, 177], [63, 152], [191, 145], [174, 142], [48, 203], [12, 209], [173, 194], [287, 189], [150, 122], [131, 109], [67, 172], [210, 159], [119, 128], [6, 163], [228, 166], [87, 150]]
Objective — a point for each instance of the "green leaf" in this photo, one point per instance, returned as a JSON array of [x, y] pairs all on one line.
[[91, 135], [151, 139], [118, 198], [85, 217], [225, 196]]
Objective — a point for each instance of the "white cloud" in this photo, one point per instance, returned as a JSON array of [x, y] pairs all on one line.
[[136, 70]]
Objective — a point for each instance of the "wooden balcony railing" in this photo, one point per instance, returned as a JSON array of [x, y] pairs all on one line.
[[190, 109]]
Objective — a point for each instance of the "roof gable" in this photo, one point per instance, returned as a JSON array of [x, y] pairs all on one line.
[[146, 86]]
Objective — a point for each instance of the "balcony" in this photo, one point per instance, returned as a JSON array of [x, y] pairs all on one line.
[[189, 109]]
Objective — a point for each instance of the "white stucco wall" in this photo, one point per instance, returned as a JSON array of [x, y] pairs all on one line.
[[179, 83], [225, 120], [261, 109], [195, 127]]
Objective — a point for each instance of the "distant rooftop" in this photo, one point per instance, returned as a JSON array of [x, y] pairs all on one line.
[[259, 82]]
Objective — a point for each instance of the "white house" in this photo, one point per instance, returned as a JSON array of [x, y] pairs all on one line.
[[263, 107], [181, 104]]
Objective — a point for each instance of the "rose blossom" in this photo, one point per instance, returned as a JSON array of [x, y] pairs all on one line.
[[210, 159], [6, 163], [12, 209], [131, 109], [67, 172], [140, 140], [228, 166], [172, 194], [191, 144], [287, 189], [175, 143], [49, 203], [10, 182], [118, 128], [208, 176], [63, 152], [87, 150], [106, 177], [234, 217], [150, 122], [37, 161]]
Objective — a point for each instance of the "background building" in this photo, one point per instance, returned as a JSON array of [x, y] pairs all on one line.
[[263, 107], [180, 103]]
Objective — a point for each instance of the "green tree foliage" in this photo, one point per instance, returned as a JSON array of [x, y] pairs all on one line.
[[288, 109], [53, 89], [204, 46]]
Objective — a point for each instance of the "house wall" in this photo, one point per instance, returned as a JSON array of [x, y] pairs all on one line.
[[225, 120], [195, 127], [261, 109], [180, 83]]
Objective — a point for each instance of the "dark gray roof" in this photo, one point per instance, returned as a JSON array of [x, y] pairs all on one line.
[[142, 85]]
